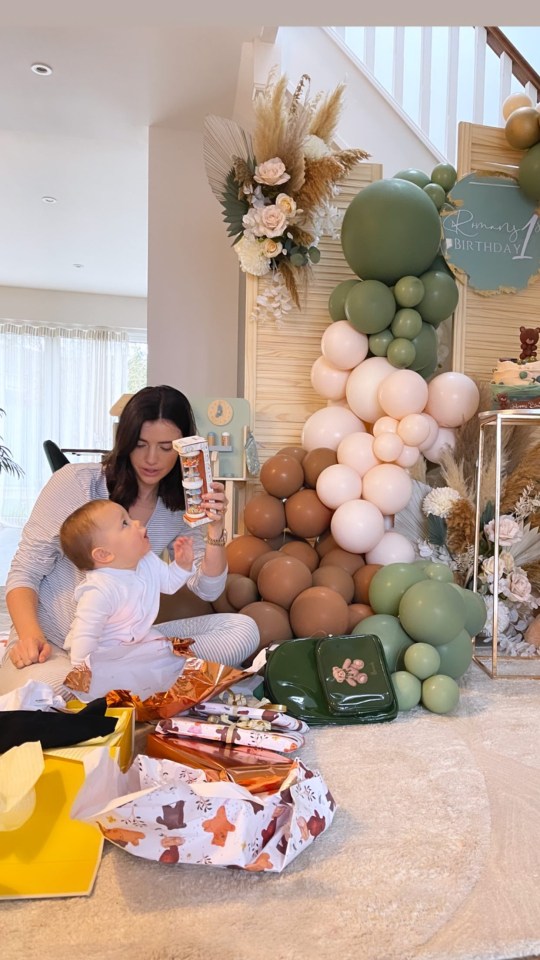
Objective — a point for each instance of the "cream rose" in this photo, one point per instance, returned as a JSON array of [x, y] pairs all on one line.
[[271, 172], [272, 248], [286, 204], [264, 222], [517, 587], [509, 531]]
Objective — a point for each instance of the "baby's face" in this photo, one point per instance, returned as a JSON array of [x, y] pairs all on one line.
[[117, 533]]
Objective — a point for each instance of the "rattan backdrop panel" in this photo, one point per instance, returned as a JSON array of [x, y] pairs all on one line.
[[278, 359]]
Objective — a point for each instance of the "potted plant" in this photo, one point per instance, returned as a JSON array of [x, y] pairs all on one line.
[[7, 462]]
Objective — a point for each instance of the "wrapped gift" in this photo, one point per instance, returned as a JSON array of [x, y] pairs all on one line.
[[169, 812], [232, 734], [276, 719], [258, 770]]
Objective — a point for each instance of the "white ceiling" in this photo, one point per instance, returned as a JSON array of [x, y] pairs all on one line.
[[80, 135]]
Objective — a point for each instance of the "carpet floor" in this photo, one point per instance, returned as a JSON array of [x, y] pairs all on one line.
[[433, 855]]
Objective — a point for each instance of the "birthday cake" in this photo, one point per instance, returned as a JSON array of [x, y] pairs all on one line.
[[515, 384]]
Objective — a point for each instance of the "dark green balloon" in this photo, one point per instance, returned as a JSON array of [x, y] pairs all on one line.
[[370, 306], [440, 263], [407, 323], [445, 175], [418, 177], [390, 230], [475, 610], [390, 583], [529, 172], [436, 193], [440, 297], [336, 302], [408, 291], [456, 655], [431, 611], [426, 347], [401, 353], [391, 634], [429, 369], [379, 342]]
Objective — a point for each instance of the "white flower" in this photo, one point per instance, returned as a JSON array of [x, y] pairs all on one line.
[[314, 148], [509, 531], [272, 248], [440, 501], [506, 564], [271, 172], [287, 205], [517, 587], [252, 257]]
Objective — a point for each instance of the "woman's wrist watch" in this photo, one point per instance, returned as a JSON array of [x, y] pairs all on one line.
[[216, 541]]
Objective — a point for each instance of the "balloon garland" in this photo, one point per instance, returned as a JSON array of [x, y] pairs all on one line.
[[522, 131]]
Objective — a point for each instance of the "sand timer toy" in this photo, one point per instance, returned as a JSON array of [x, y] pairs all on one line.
[[196, 476]]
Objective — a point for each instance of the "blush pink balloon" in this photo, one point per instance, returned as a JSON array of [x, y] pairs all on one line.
[[356, 451], [403, 392], [388, 486], [328, 427], [392, 548], [446, 437], [357, 526], [413, 429], [363, 385], [327, 380], [344, 346], [432, 435], [408, 457], [453, 399], [337, 484], [385, 425], [387, 447]]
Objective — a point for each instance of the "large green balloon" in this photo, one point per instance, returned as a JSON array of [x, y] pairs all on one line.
[[426, 347], [390, 230], [440, 297], [440, 694], [370, 306], [393, 638], [431, 612], [456, 656], [529, 172], [408, 291], [418, 177], [407, 689], [400, 353], [379, 342], [475, 610], [390, 583], [422, 660], [407, 323], [336, 302]]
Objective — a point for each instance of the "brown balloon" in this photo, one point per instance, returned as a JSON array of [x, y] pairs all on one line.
[[276, 543], [306, 515], [242, 551], [272, 621], [222, 604], [259, 563], [319, 611], [264, 516], [342, 558], [522, 128], [281, 580], [325, 543], [297, 452], [303, 551], [336, 578], [315, 462], [357, 613], [282, 475], [362, 579], [183, 603], [241, 591]]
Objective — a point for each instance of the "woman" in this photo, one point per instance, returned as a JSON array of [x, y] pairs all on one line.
[[142, 473]]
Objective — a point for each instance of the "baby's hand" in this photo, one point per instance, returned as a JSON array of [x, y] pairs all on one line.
[[183, 552]]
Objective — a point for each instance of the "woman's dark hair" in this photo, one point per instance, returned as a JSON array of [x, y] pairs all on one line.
[[149, 404]]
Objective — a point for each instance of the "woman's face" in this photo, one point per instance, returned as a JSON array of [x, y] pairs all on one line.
[[154, 456]]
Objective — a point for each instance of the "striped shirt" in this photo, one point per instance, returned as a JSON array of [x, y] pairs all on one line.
[[40, 564]]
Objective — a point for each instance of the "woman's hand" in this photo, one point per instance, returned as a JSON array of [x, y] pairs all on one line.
[[216, 503], [34, 648]]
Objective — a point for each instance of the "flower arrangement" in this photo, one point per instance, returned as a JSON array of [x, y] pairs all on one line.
[[441, 520], [276, 185]]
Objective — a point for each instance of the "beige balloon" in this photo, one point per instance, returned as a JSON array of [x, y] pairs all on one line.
[[522, 129], [514, 101]]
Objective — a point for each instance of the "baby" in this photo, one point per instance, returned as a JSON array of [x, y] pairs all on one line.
[[112, 639]]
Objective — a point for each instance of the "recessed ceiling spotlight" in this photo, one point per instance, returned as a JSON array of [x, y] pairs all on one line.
[[42, 69], [78, 265], [49, 200]]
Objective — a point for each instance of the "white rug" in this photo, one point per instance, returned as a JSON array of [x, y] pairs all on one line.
[[433, 855]]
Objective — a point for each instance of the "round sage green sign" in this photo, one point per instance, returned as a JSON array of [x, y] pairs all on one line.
[[492, 233]]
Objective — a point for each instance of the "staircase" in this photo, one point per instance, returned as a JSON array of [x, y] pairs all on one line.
[[439, 76]]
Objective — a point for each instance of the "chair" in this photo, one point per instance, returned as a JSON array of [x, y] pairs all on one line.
[[54, 455]]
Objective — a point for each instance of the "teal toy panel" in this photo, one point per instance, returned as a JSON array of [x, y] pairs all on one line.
[[224, 422]]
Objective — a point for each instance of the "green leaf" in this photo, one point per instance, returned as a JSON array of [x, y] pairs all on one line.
[[314, 254], [488, 514], [436, 530], [234, 207], [297, 259]]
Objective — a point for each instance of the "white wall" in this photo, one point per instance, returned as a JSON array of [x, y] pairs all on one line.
[[79, 309], [192, 273]]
